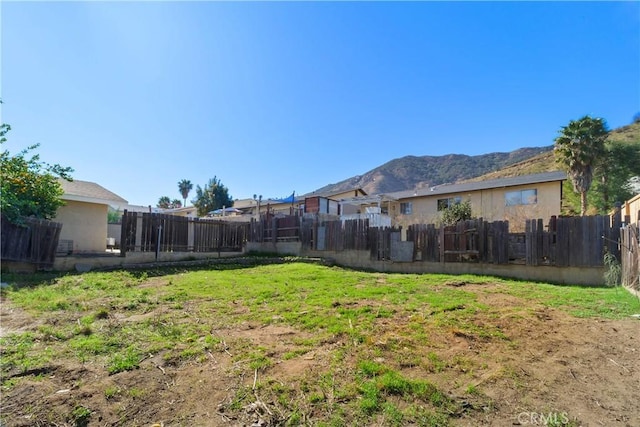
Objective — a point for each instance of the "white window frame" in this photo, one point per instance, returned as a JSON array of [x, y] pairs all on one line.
[[528, 196]]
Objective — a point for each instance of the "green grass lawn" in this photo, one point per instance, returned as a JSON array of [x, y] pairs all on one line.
[[387, 322]]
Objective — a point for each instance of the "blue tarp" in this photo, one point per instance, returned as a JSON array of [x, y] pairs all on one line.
[[290, 199]]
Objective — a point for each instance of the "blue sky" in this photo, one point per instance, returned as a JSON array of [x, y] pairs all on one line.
[[275, 97]]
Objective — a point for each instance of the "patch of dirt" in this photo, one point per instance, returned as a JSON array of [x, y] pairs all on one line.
[[541, 362]]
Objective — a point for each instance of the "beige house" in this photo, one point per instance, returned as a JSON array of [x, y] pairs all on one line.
[[84, 216], [514, 199]]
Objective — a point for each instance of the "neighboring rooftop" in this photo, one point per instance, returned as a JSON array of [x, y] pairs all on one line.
[[482, 185], [330, 194], [89, 192]]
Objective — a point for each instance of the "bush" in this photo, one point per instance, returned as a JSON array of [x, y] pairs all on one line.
[[30, 187], [457, 212]]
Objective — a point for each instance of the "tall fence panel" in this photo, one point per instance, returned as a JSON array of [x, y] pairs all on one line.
[[35, 241], [150, 232], [211, 236], [270, 228], [570, 242], [381, 241], [462, 241], [630, 256], [425, 238], [497, 248], [355, 234]]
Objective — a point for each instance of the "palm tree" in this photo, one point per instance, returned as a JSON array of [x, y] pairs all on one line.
[[579, 148], [164, 202], [184, 187]]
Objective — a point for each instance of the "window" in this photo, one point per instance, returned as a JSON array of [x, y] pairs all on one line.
[[447, 203], [406, 208], [521, 197]]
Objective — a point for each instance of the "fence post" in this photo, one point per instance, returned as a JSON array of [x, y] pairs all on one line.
[[158, 241], [137, 244], [274, 230], [442, 243], [123, 233], [190, 234]]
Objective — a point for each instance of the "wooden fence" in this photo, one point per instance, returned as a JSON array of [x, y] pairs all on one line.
[[467, 241], [572, 241], [34, 242], [151, 232], [270, 228], [630, 256], [563, 242], [336, 235]]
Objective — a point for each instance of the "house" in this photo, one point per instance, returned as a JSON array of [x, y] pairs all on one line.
[[631, 209], [515, 199], [329, 202], [293, 205], [186, 211], [84, 215]]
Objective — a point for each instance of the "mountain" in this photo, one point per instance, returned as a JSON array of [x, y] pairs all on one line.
[[410, 172], [545, 162]]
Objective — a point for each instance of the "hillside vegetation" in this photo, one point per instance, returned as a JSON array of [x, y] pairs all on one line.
[[421, 171], [412, 172], [545, 162]]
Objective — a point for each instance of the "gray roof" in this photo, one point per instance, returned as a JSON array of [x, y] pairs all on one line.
[[369, 200], [330, 194], [90, 192], [482, 185]]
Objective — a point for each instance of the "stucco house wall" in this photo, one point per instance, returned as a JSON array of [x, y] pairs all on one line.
[[491, 205], [85, 224], [488, 200], [631, 208], [84, 215]]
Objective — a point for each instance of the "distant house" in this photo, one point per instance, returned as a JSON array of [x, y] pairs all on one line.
[[84, 216], [323, 202], [188, 211], [631, 209], [515, 199], [329, 202]]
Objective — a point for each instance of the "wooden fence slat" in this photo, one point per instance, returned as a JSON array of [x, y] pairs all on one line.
[[35, 241]]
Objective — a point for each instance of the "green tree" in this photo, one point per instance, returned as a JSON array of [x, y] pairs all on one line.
[[113, 216], [185, 186], [165, 202], [213, 196], [30, 187], [579, 148], [457, 212], [620, 163]]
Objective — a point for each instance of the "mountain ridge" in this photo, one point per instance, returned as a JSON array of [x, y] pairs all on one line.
[[411, 172], [414, 172]]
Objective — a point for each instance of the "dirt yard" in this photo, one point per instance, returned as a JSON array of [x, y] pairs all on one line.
[[563, 371]]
